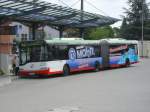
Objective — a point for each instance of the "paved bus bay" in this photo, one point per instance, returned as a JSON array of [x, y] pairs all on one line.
[[115, 90]]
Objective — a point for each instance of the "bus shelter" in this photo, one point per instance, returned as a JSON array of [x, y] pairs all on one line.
[[36, 12]]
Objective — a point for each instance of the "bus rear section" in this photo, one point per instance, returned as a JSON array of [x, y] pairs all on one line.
[[123, 55], [59, 58], [121, 52]]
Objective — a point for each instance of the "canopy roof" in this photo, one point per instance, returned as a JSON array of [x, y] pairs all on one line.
[[44, 12]]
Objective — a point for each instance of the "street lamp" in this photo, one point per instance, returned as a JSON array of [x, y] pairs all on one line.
[[142, 34], [82, 29]]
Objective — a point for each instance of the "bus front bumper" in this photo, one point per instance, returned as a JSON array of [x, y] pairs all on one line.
[[47, 72]]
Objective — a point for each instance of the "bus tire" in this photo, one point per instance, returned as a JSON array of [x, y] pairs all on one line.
[[97, 66], [66, 70], [127, 64]]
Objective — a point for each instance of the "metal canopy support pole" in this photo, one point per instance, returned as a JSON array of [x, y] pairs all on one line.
[[82, 32], [82, 29], [82, 5], [33, 31], [0, 43], [61, 28], [33, 24]]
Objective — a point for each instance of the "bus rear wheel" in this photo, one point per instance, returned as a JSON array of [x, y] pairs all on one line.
[[66, 70], [127, 63], [97, 66]]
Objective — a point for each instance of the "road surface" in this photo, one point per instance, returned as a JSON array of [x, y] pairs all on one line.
[[117, 90]]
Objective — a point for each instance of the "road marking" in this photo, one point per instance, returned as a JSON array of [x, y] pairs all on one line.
[[64, 109]]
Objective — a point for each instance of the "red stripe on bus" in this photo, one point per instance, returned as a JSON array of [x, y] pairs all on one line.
[[120, 65], [82, 69], [38, 72]]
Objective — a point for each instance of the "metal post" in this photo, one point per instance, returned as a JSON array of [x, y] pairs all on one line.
[[61, 31], [34, 25], [0, 44], [82, 32], [142, 44], [33, 31], [82, 29], [82, 5]]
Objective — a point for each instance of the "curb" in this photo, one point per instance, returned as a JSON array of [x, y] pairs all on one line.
[[13, 78]]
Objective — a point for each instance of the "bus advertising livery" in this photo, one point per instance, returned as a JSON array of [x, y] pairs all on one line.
[[47, 57]]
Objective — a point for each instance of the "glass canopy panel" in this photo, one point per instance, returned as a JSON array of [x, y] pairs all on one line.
[[41, 11]]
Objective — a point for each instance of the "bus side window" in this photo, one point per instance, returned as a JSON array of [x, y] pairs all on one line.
[[50, 53], [134, 47], [63, 55], [57, 52], [117, 50]]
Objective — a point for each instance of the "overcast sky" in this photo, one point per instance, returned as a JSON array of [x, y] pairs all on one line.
[[113, 8]]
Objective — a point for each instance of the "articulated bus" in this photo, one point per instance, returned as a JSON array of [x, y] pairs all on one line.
[[48, 57]]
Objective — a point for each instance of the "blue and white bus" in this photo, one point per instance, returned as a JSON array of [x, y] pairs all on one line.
[[47, 57]]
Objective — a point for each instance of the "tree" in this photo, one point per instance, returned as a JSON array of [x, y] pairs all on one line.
[[116, 32], [72, 32], [123, 29], [131, 26], [135, 11], [99, 33]]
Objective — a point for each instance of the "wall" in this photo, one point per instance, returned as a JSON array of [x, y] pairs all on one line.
[[146, 49], [22, 31], [51, 33], [5, 63], [5, 53], [6, 43]]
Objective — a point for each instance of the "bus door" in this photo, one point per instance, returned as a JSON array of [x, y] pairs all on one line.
[[105, 54]]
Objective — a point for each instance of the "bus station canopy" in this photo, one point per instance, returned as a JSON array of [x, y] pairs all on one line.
[[37, 11]]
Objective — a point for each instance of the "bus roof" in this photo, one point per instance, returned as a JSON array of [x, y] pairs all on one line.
[[118, 41], [72, 42], [79, 42]]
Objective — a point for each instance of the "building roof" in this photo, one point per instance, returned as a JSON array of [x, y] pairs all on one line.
[[37, 11]]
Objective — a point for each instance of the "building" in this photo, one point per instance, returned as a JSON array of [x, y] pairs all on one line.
[[6, 44], [21, 31]]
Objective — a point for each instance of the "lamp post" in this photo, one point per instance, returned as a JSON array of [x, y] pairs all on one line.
[[82, 29], [142, 34]]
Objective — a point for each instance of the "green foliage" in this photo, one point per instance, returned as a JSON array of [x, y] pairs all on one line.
[[72, 32], [135, 11], [99, 33], [116, 32], [132, 24], [1, 72]]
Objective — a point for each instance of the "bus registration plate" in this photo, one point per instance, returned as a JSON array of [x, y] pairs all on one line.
[[31, 73]]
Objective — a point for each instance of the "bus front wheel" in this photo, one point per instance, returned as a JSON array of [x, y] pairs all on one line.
[[66, 70]]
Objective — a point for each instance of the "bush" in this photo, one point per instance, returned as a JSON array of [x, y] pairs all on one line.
[[1, 72]]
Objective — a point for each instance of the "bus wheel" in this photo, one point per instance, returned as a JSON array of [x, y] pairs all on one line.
[[97, 66], [127, 63], [66, 70]]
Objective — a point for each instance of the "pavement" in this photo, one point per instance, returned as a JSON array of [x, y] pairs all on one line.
[[114, 90], [7, 79]]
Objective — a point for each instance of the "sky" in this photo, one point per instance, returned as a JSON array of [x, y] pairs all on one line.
[[113, 8]]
